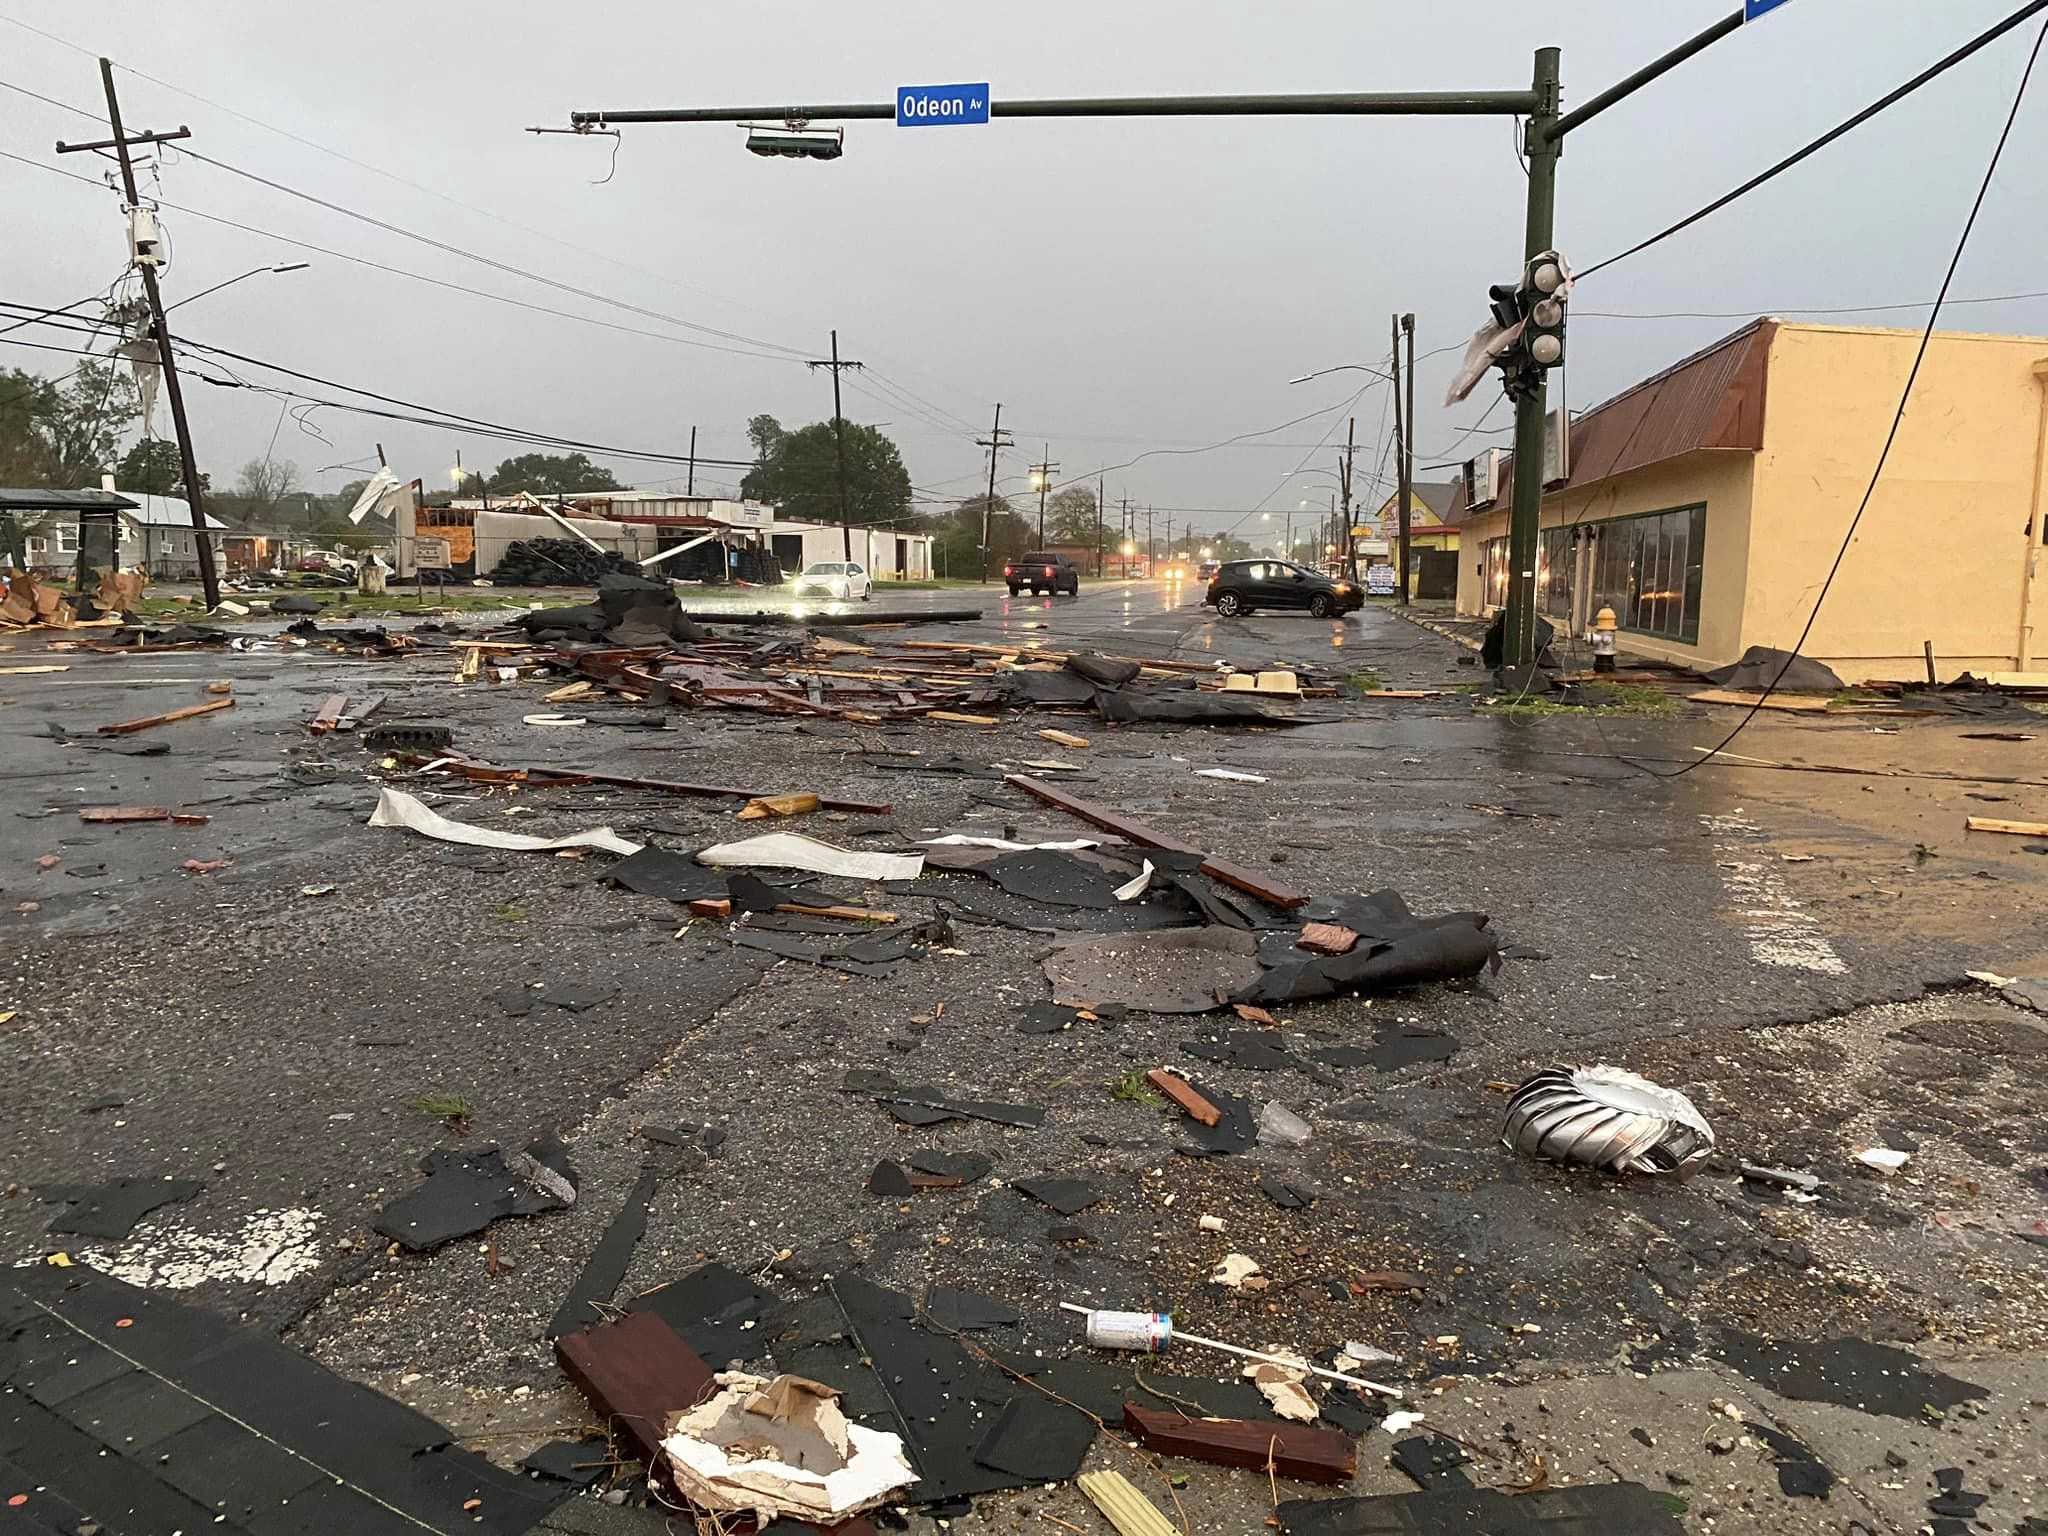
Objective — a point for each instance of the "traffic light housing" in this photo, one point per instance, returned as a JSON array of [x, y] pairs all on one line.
[[1542, 298]]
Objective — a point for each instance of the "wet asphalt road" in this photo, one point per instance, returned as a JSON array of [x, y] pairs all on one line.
[[1725, 932]]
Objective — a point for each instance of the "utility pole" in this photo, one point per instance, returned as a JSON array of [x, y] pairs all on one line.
[[995, 444], [1404, 449], [1043, 473], [146, 262], [1345, 465], [691, 488], [1408, 326], [838, 443], [1100, 489]]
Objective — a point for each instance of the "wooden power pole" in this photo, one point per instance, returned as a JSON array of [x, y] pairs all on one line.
[[146, 262]]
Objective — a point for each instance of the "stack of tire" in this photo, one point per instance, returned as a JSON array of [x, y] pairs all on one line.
[[558, 563]]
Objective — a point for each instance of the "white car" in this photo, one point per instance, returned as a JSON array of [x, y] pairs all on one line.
[[842, 581]]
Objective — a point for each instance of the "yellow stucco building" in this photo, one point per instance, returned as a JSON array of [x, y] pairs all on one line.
[[1705, 505]]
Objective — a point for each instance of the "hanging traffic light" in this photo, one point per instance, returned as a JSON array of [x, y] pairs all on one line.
[[1542, 297]]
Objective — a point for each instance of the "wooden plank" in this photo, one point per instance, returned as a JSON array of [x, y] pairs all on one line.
[[189, 712], [328, 715], [711, 906], [1183, 1093], [1252, 882], [1397, 693], [22, 671], [121, 815], [540, 778], [950, 717], [1123, 1506], [1301, 1451], [1327, 938], [844, 914], [2014, 828], [637, 1375], [1791, 703], [1064, 739]]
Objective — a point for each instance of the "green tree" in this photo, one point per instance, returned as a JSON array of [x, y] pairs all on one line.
[[798, 473], [550, 474], [1070, 516], [151, 466]]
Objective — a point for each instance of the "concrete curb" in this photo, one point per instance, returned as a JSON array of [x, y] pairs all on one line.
[[1439, 630]]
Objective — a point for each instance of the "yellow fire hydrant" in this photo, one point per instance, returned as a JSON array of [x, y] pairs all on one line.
[[1604, 626]]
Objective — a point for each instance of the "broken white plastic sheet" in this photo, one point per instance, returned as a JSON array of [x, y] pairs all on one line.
[[782, 1448], [792, 850], [1231, 774], [1134, 887], [395, 808]]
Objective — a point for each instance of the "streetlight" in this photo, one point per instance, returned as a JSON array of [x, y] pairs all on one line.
[[1344, 368], [283, 266]]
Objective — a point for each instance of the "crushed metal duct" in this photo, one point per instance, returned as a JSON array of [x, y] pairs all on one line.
[[1604, 1117]]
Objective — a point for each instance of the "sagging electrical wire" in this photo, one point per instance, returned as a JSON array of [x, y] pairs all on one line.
[[1891, 436], [1891, 98]]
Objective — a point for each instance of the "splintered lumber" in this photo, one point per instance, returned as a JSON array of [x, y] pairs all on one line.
[[569, 691], [1292, 1450], [22, 671], [120, 815], [1790, 702], [541, 778], [328, 716], [1250, 881], [710, 906], [1400, 693], [1183, 1093], [779, 805], [1064, 739], [1327, 938], [1123, 1506], [190, 711], [2015, 828], [950, 717], [471, 666], [843, 914]]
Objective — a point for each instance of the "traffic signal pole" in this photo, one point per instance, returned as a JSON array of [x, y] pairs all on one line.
[[1544, 133], [1519, 649]]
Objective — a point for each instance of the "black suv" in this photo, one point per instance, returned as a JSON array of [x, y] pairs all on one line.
[[1042, 571], [1244, 585]]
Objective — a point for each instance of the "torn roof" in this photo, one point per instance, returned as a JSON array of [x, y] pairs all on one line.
[[1712, 399]]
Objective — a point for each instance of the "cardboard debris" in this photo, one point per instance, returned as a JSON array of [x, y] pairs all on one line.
[[1282, 1386], [782, 1448]]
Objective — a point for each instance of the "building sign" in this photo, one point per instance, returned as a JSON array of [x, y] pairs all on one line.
[[1379, 581], [742, 514], [430, 554]]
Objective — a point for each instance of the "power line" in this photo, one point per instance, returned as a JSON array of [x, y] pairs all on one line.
[[1898, 417], [433, 416], [1751, 314], [419, 277], [482, 260], [370, 166], [1933, 71]]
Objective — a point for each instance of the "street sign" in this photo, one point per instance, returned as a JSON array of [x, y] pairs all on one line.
[[1379, 581], [930, 106], [1752, 9]]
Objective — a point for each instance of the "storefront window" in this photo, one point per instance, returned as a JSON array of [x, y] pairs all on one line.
[[1494, 552], [1648, 570]]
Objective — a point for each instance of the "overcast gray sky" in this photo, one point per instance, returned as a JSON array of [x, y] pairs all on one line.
[[1122, 287]]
